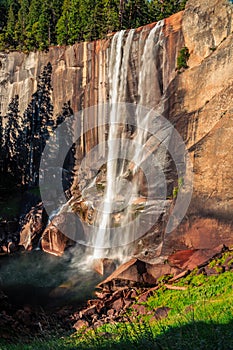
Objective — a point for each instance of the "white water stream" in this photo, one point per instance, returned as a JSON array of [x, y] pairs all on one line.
[[116, 184]]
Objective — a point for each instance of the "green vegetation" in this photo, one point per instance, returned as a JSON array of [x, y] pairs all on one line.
[[177, 188], [23, 137], [35, 24], [182, 58], [200, 317]]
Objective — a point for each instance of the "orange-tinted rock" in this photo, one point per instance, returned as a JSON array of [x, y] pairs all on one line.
[[199, 233], [80, 324], [136, 272], [54, 242], [103, 266], [194, 258], [32, 230]]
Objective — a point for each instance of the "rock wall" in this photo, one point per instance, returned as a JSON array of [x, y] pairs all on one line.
[[198, 100]]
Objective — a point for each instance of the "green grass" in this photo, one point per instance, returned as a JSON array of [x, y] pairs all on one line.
[[201, 317]]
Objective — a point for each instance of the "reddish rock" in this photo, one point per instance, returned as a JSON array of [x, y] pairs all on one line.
[[144, 296], [134, 271], [117, 305], [112, 297], [200, 233], [126, 271], [190, 259], [140, 309], [33, 227], [158, 270], [111, 313], [161, 312], [104, 266], [180, 258], [54, 241], [80, 324], [127, 303], [88, 312], [131, 294]]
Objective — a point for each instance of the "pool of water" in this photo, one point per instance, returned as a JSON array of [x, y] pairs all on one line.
[[44, 280]]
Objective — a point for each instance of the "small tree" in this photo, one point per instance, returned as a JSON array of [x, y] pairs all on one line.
[[20, 33], [182, 58], [65, 141], [38, 123], [10, 29], [11, 134]]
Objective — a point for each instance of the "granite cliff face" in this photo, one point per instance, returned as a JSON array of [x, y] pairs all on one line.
[[203, 112], [198, 101]]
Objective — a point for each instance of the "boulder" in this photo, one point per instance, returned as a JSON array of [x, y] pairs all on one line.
[[80, 324], [104, 266], [190, 259], [53, 241], [160, 313], [33, 226]]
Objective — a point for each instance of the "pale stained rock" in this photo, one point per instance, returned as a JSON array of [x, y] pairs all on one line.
[[206, 24]]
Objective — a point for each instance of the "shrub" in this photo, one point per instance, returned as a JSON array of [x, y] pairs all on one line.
[[182, 58]]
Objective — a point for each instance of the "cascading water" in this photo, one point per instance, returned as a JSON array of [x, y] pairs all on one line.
[[148, 94], [122, 190], [118, 150], [115, 65]]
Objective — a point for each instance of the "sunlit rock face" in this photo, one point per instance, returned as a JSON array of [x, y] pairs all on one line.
[[202, 110], [198, 102]]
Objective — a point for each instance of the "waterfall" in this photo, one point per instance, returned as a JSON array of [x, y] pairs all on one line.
[[122, 188], [115, 66], [120, 150]]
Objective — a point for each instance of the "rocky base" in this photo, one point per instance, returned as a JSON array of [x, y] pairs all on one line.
[[119, 301], [26, 323], [118, 295]]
